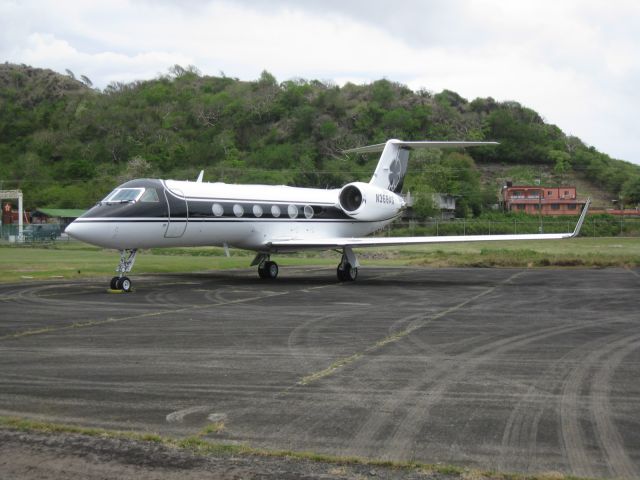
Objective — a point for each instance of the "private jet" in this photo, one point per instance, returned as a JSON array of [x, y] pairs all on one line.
[[267, 219]]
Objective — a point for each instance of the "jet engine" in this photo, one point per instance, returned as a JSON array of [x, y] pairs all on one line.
[[367, 202]]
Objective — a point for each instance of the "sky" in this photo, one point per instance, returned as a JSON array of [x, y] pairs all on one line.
[[576, 62]]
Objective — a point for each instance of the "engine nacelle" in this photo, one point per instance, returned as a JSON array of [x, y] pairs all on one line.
[[367, 202]]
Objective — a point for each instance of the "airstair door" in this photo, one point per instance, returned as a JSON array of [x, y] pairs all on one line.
[[178, 213]]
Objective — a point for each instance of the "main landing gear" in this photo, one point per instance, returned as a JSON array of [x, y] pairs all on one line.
[[348, 267], [122, 282], [347, 270], [267, 270]]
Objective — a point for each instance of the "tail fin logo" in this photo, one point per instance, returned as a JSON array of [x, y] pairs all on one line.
[[398, 169], [396, 175]]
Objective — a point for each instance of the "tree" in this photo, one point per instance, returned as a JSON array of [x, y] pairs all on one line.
[[631, 191], [562, 162], [86, 81]]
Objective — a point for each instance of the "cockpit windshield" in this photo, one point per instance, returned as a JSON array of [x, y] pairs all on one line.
[[124, 195]]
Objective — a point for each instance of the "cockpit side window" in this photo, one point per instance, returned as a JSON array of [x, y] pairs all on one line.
[[123, 195], [150, 195]]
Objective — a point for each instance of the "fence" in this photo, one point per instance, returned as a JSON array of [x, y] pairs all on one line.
[[35, 233], [592, 227]]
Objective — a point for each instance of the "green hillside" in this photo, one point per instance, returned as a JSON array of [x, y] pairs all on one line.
[[66, 144]]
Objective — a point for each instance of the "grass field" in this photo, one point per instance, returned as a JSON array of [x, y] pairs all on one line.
[[74, 260]]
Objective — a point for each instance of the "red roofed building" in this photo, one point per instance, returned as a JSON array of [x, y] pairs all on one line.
[[534, 199]]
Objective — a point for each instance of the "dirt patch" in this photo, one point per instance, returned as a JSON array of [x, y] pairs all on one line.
[[34, 455]]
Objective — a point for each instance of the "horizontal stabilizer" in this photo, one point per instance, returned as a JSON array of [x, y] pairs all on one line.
[[421, 144]]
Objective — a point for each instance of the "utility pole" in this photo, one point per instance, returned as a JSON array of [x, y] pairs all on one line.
[[540, 193]]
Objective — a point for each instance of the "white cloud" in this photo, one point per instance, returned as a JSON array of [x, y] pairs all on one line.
[[576, 62]]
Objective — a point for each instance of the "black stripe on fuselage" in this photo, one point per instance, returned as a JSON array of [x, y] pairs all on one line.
[[223, 220], [207, 209]]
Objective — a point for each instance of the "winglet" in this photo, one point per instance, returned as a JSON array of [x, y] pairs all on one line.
[[199, 179], [583, 215]]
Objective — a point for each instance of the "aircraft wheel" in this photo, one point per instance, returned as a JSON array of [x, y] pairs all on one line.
[[268, 270], [272, 269], [262, 272], [124, 284], [347, 273], [351, 273], [114, 283]]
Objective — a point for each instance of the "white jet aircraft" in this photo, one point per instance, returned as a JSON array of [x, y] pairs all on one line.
[[267, 219]]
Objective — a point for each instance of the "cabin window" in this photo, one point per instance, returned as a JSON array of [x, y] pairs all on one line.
[[292, 210], [275, 211], [123, 195], [150, 195], [217, 209], [308, 211], [238, 211], [257, 211]]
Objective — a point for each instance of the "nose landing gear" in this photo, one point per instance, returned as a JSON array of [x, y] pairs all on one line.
[[122, 282]]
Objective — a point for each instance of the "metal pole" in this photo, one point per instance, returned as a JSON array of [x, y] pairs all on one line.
[[20, 214]]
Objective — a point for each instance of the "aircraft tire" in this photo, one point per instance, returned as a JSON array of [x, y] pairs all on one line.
[[268, 270], [272, 270], [347, 273], [350, 273], [124, 284], [114, 283], [262, 272]]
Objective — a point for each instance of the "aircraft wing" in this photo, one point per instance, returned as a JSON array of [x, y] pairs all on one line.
[[340, 242]]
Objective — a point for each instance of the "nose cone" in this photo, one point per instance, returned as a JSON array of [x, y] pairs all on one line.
[[102, 234], [80, 231], [72, 229]]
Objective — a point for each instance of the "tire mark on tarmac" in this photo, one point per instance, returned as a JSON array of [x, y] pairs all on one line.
[[406, 432], [157, 313], [609, 438], [399, 335], [402, 441], [573, 437], [31, 295], [519, 438], [376, 421], [306, 329]]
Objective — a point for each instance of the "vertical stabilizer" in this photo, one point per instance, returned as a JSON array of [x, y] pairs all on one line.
[[392, 166]]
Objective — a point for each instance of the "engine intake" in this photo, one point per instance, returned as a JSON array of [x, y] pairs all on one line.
[[367, 202], [350, 198]]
